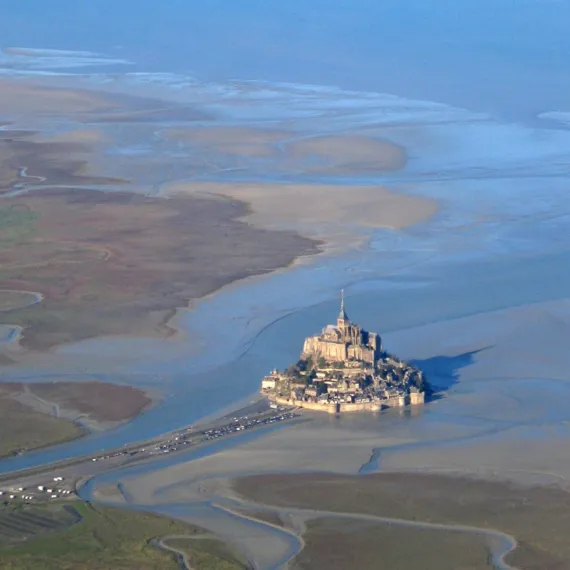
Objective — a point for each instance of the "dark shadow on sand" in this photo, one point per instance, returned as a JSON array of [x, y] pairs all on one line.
[[442, 372]]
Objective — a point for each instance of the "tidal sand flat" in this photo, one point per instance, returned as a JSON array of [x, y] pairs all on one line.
[[28, 97], [335, 213], [294, 149], [356, 154]]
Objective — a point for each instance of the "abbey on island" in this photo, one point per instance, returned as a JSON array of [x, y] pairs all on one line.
[[344, 368]]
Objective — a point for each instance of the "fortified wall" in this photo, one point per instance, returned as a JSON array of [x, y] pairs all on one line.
[[412, 399]]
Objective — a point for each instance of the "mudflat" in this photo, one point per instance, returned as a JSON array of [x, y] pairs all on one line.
[[119, 263], [24, 160], [537, 517]]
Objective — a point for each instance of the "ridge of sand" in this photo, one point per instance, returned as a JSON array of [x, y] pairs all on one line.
[[340, 154], [338, 214]]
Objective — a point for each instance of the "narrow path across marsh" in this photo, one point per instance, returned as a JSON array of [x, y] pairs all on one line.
[[180, 554], [500, 544]]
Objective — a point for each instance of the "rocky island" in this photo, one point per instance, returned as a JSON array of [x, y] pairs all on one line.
[[345, 369]]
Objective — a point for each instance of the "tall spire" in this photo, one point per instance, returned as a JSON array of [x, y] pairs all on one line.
[[342, 316]]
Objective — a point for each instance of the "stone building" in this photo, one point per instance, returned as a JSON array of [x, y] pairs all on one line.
[[344, 342]]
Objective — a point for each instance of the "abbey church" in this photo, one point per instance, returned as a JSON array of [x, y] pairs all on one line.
[[345, 369], [344, 342]]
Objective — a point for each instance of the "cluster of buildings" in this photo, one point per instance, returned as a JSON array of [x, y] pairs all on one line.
[[41, 492], [343, 369]]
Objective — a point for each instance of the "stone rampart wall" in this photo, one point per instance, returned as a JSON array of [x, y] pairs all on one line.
[[346, 406]]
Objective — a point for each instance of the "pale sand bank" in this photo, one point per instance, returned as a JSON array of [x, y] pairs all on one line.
[[341, 154], [338, 214], [298, 448], [28, 98], [330, 154]]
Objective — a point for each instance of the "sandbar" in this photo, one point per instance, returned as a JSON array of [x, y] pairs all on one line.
[[345, 154], [29, 98], [336, 213]]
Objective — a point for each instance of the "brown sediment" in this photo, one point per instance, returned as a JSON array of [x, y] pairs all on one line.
[[100, 402], [39, 414], [119, 263], [25, 162], [22, 428], [538, 517]]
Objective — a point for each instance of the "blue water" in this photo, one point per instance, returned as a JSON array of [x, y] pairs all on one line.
[[509, 57]]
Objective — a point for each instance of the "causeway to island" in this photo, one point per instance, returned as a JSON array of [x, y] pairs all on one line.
[[345, 369]]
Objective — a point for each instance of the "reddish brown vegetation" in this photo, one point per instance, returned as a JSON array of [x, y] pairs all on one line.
[[115, 263]]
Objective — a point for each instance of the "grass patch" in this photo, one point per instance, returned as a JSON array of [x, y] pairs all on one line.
[[23, 429], [337, 544], [105, 539], [19, 522], [207, 553], [16, 223]]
